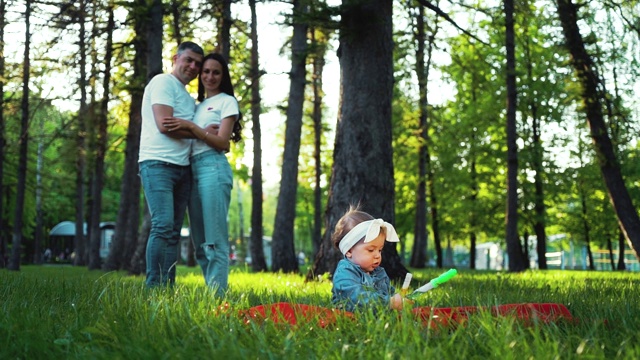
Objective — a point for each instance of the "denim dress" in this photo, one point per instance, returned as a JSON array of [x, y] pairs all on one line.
[[354, 289]]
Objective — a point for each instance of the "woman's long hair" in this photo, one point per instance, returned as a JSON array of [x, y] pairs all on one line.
[[226, 87]]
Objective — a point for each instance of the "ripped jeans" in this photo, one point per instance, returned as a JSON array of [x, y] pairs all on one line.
[[208, 210]]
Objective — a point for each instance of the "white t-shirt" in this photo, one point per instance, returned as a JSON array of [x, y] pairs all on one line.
[[165, 89], [211, 111]]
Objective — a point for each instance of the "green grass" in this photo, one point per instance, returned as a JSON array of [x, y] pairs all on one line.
[[63, 312]]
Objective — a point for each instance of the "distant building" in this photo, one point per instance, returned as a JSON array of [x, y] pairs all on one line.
[[60, 242], [489, 256]]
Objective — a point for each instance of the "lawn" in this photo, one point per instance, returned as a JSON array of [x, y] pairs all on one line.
[[63, 312]]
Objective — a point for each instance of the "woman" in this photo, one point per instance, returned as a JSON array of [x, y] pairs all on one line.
[[216, 123]]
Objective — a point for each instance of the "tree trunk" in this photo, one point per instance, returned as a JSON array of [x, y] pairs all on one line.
[[539, 224], [609, 166], [473, 198], [283, 251], [177, 8], [258, 262], [224, 29], [153, 31], [586, 228], [514, 248], [539, 221], [138, 261], [419, 251], [433, 201], [37, 244], [525, 250], [318, 67], [101, 148], [472, 250], [431, 178], [123, 245], [79, 242], [3, 224], [610, 250], [621, 251], [363, 162], [240, 243], [16, 251], [592, 265]]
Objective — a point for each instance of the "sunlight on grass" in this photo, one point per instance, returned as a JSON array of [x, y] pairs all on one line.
[[69, 312]]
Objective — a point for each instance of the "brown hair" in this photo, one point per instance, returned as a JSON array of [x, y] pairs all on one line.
[[226, 87], [348, 221]]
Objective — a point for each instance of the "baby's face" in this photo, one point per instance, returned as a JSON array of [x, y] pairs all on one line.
[[367, 255]]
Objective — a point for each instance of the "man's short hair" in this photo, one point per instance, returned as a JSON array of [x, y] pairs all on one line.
[[189, 45]]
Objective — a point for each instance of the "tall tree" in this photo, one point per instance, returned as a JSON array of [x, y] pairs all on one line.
[[465, 160], [539, 223], [3, 239], [177, 8], [543, 83], [319, 46], [425, 173], [38, 241], [79, 242], [180, 11], [363, 164], [153, 41], [91, 135], [224, 29], [154, 31], [618, 121], [585, 224], [123, 244], [258, 262], [101, 147], [467, 138], [514, 248], [283, 252], [16, 251], [609, 165]]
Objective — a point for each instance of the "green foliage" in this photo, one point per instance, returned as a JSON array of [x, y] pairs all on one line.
[[72, 313], [467, 132], [49, 134], [472, 142]]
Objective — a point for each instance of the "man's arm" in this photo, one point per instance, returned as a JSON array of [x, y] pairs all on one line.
[[162, 111], [214, 135]]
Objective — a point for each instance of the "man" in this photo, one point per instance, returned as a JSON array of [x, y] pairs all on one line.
[[164, 161]]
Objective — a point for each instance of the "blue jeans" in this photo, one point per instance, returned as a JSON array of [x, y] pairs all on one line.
[[208, 210], [166, 188]]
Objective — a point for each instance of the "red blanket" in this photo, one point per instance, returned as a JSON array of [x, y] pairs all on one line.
[[529, 313]]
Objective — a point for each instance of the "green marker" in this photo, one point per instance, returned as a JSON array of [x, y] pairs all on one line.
[[433, 283]]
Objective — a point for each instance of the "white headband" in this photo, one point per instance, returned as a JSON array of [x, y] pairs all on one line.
[[370, 230]]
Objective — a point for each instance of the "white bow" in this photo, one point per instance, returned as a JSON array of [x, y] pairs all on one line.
[[370, 230]]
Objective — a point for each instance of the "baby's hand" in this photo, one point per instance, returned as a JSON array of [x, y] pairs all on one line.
[[396, 302]]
